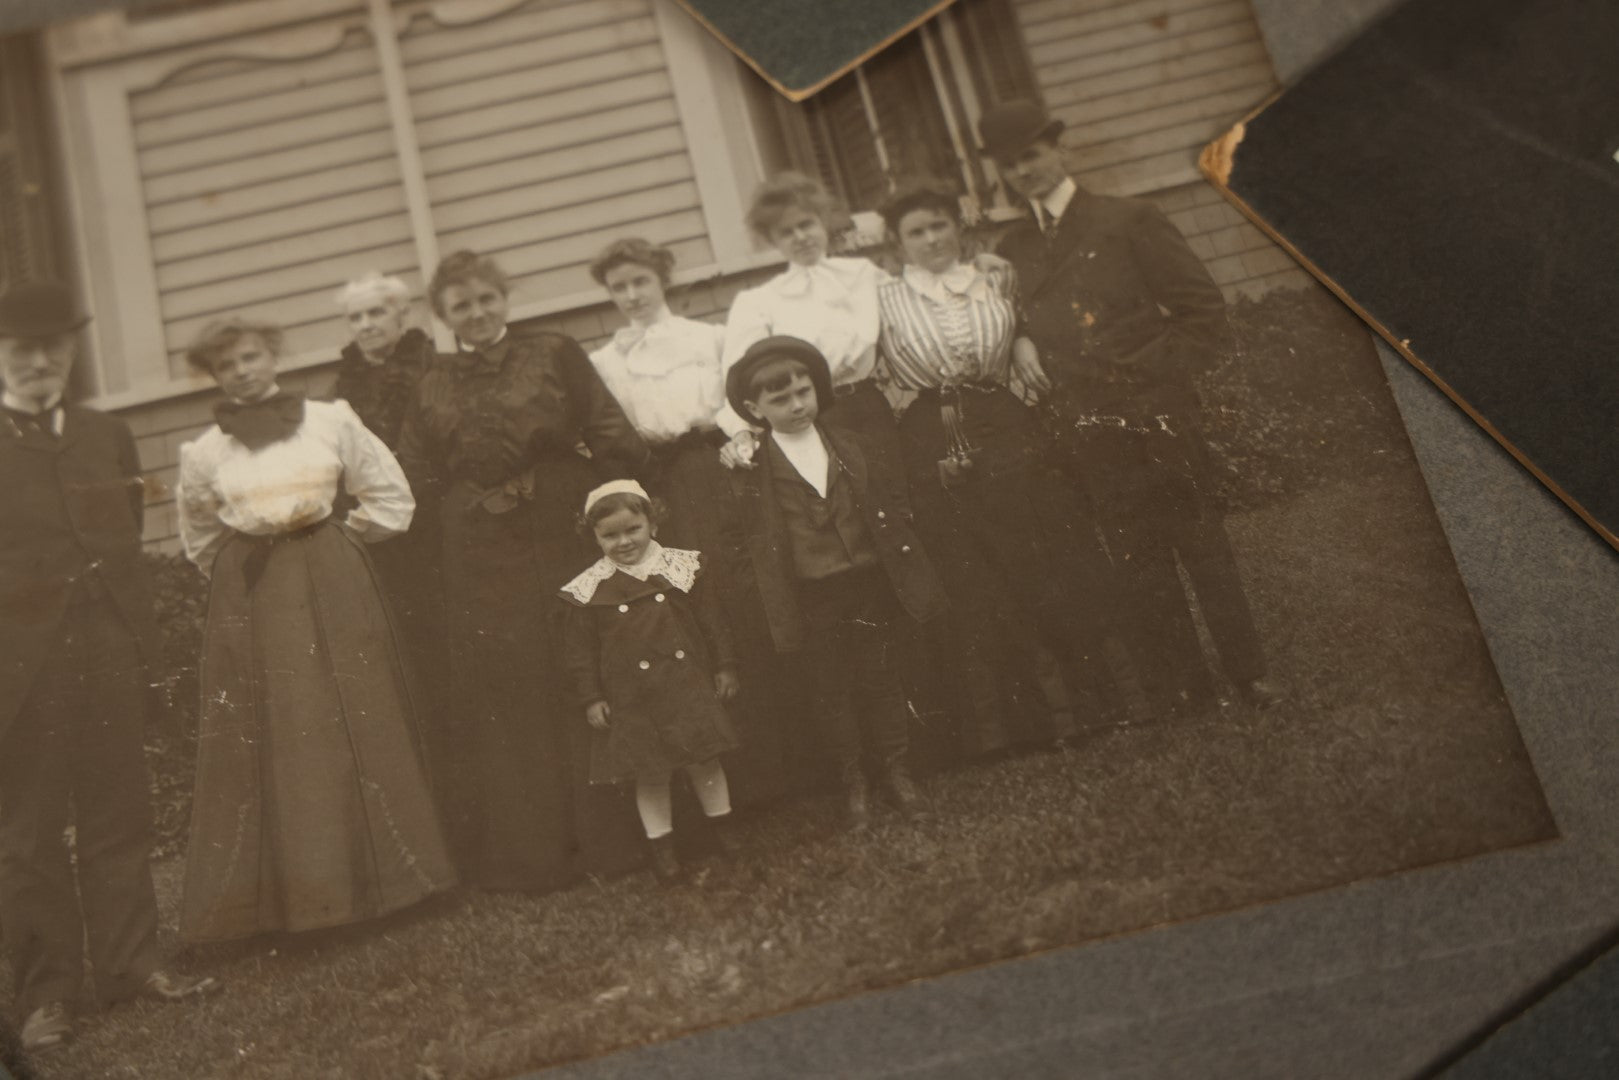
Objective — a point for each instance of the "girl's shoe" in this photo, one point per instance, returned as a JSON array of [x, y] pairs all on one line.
[[665, 864]]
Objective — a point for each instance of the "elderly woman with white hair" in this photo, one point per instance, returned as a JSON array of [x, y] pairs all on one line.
[[387, 357], [377, 376]]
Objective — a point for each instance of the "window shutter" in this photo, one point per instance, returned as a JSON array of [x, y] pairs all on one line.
[[831, 135], [998, 59]]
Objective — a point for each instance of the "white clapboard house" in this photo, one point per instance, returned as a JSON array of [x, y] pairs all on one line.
[[193, 158]]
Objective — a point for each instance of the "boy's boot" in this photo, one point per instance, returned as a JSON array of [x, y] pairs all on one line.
[[857, 798], [897, 780], [722, 829], [665, 863]]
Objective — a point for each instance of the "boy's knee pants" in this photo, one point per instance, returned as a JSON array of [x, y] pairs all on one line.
[[853, 651]]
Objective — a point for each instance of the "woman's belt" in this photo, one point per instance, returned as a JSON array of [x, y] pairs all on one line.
[[257, 559], [845, 389]]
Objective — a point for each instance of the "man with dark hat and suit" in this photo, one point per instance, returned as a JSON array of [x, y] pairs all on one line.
[[77, 628], [1125, 315]]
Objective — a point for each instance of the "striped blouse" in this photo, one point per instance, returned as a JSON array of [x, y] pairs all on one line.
[[949, 328]]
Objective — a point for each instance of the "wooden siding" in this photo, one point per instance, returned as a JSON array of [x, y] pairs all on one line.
[[547, 133], [1143, 84], [266, 186]]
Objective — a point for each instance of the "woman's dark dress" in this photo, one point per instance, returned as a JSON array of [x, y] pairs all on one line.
[[491, 441], [381, 395]]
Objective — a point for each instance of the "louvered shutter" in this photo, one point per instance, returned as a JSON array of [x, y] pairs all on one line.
[[267, 185], [548, 132]]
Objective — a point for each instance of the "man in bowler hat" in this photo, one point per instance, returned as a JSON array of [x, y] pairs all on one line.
[[76, 636], [1125, 315]]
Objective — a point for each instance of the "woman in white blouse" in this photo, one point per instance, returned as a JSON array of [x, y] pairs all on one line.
[[1017, 551], [829, 301], [665, 372], [312, 806]]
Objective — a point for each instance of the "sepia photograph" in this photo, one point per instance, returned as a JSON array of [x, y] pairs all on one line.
[[524, 542]]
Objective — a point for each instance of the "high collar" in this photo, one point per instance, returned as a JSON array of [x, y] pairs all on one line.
[[832, 275], [632, 335], [1055, 203], [462, 346], [962, 279], [490, 359], [24, 405]]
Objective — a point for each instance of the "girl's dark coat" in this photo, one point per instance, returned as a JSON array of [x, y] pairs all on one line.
[[650, 651]]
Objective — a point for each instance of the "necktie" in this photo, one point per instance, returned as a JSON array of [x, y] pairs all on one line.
[[257, 424], [43, 422]]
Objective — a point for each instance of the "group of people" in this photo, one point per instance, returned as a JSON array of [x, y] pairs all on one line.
[[469, 619]]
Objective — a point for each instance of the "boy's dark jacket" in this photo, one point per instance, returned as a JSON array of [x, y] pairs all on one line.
[[754, 529]]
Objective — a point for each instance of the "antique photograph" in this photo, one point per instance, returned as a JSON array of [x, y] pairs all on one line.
[[523, 542]]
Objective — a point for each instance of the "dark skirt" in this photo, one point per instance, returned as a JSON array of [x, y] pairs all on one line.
[[312, 805], [521, 811], [1020, 559]]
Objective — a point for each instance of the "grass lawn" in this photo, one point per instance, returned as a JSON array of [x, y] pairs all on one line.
[[1395, 750]]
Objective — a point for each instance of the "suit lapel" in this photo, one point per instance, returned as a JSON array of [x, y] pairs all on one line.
[[847, 456]]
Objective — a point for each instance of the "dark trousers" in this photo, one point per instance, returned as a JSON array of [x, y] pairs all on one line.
[[851, 648], [1152, 501], [78, 737]]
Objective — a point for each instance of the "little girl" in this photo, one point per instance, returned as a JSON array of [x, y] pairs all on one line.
[[651, 661]]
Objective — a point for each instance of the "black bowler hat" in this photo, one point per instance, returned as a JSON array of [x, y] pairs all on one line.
[[38, 309], [1007, 129], [775, 348]]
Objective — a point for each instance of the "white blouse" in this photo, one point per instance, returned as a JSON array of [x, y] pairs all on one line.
[[666, 375], [832, 305], [226, 488]]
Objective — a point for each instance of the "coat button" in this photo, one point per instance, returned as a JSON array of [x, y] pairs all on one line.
[[645, 664], [658, 598], [623, 608], [905, 549], [680, 654]]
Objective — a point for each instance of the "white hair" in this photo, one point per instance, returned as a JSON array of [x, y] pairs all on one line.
[[373, 284]]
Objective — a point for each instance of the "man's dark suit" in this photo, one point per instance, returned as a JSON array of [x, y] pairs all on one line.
[[76, 639], [1125, 315]]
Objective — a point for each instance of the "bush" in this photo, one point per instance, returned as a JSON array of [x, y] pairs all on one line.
[[1299, 400], [181, 599]]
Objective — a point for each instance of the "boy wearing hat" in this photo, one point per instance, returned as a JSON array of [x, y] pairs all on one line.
[[839, 568], [1125, 315], [76, 631]]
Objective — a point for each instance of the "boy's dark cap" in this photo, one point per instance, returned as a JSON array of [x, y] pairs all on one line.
[[38, 309], [775, 348], [1007, 129]]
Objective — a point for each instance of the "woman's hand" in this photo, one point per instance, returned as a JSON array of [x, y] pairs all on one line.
[[1026, 366], [726, 685], [738, 453], [596, 715]]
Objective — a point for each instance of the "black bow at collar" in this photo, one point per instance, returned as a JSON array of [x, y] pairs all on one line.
[[257, 424]]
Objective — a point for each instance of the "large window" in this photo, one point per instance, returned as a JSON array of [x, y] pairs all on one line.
[[912, 110]]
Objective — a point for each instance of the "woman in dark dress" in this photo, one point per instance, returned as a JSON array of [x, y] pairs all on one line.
[[492, 441], [312, 806], [377, 375], [1018, 554]]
